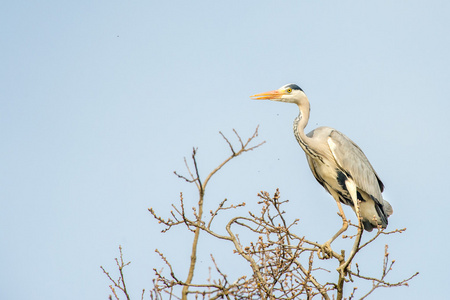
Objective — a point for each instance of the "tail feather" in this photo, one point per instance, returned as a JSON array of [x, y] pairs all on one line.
[[381, 214], [387, 208], [374, 213]]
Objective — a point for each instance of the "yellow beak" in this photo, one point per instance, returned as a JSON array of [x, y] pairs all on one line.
[[277, 94]]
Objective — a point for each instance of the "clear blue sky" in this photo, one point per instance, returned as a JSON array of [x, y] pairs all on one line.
[[100, 101]]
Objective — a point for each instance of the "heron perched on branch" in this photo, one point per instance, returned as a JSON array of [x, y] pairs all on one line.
[[337, 163]]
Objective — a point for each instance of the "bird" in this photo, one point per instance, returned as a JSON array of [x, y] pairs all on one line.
[[337, 163]]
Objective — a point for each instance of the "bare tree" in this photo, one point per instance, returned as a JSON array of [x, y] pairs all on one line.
[[284, 264]]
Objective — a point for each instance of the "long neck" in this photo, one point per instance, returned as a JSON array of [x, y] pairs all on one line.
[[299, 131]]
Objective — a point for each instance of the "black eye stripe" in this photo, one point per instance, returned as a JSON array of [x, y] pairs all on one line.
[[293, 87]]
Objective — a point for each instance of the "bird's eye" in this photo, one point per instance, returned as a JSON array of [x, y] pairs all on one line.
[[289, 90]]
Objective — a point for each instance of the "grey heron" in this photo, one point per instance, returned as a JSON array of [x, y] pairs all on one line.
[[337, 163]]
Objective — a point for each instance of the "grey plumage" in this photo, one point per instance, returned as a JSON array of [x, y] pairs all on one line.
[[337, 163], [348, 162]]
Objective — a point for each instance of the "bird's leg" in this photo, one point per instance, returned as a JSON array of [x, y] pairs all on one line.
[[344, 267], [351, 187], [325, 250]]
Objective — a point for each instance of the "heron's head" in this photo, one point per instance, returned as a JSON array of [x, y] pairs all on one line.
[[290, 93]]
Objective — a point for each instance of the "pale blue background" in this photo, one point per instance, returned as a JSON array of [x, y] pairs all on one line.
[[100, 101]]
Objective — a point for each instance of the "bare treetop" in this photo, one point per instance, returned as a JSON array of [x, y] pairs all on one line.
[[284, 264]]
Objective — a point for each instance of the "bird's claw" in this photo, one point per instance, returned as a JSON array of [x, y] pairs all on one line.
[[325, 251]]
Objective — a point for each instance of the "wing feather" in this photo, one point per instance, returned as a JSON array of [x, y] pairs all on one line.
[[352, 160]]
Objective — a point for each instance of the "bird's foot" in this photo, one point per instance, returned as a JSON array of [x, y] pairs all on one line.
[[325, 251]]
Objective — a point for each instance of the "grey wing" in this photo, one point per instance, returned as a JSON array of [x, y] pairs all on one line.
[[354, 162]]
